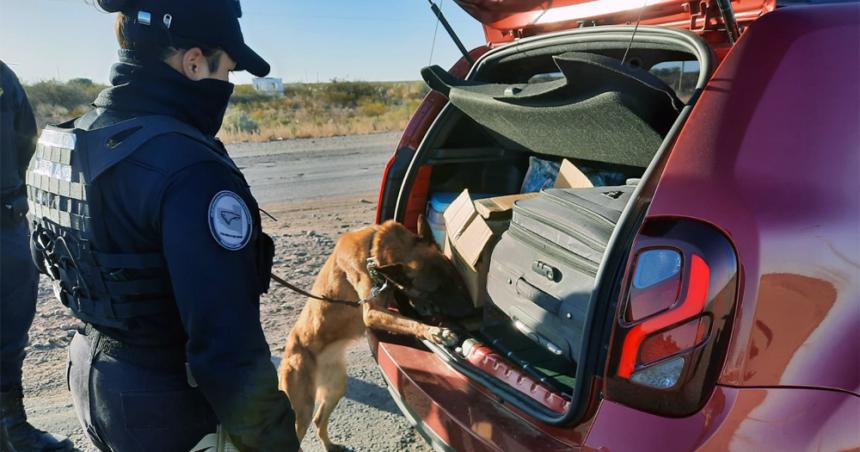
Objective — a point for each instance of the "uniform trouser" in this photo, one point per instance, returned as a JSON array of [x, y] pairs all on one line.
[[18, 289], [127, 407]]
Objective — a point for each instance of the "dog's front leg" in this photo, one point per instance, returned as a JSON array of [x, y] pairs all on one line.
[[376, 316]]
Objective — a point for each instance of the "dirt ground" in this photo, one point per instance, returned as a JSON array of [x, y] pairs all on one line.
[[366, 419]]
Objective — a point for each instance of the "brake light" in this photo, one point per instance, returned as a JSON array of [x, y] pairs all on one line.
[[677, 305], [673, 341], [691, 306]]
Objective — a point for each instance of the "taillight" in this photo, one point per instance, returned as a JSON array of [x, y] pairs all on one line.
[[676, 311]]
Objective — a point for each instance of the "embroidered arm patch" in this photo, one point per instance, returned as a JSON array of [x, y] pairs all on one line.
[[230, 220]]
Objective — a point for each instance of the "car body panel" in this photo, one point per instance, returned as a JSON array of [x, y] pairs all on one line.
[[770, 156], [506, 20], [462, 414], [736, 419]]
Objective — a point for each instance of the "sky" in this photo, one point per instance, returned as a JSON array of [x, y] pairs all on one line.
[[303, 40]]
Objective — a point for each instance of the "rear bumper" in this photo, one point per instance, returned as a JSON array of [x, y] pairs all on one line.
[[451, 412], [429, 435]]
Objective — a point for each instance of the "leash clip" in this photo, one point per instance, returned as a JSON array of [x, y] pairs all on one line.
[[375, 291], [380, 284]]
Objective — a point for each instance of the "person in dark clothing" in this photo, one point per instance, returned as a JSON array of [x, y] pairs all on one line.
[[152, 237], [18, 276]]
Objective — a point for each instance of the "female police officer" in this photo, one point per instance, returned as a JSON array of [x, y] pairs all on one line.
[[153, 239]]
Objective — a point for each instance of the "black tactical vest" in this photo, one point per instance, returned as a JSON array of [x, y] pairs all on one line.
[[101, 288]]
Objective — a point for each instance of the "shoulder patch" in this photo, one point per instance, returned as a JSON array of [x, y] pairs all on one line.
[[230, 220]]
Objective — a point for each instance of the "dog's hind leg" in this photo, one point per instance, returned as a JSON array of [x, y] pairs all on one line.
[[331, 387], [297, 374]]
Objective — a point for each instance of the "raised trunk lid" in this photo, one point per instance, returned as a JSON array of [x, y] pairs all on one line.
[[506, 20]]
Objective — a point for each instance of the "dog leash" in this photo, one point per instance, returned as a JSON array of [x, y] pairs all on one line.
[[380, 285]]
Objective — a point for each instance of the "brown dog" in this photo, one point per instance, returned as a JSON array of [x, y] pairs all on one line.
[[314, 369]]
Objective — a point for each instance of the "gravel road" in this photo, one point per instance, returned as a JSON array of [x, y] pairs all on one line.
[[313, 168], [317, 189]]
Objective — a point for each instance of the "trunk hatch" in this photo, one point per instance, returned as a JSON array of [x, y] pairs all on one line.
[[506, 20]]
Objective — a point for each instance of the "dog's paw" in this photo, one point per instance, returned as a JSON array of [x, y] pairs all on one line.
[[339, 448], [442, 336]]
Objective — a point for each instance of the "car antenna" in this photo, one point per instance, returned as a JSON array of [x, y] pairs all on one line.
[[451, 33], [635, 29]]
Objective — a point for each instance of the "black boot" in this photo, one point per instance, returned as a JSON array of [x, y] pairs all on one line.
[[19, 434]]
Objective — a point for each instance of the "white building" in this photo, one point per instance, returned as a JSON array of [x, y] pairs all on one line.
[[269, 85]]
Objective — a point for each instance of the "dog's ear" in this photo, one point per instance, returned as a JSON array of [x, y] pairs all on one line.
[[396, 273], [424, 231]]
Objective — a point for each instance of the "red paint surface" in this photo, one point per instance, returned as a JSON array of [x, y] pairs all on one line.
[[778, 419], [486, 359], [505, 20], [462, 413], [770, 156]]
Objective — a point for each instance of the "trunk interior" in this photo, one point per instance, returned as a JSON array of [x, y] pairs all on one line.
[[525, 111]]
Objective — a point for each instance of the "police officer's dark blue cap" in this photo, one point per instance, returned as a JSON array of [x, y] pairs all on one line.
[[209, 23]]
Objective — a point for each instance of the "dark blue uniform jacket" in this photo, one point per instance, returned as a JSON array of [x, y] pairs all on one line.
[[17, 134], [159, 199]]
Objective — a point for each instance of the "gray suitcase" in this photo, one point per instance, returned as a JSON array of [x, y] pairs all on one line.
[[542, 271]]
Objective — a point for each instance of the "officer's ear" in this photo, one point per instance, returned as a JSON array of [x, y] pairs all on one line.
[[194, 64]]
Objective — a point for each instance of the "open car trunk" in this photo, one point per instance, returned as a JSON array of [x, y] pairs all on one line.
[[542, 265]]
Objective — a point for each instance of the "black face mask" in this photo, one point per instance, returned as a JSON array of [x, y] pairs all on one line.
[[152, 87]]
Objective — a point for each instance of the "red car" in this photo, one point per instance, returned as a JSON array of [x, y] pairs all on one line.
[[747, 210]]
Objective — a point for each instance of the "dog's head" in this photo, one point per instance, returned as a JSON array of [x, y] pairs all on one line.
[[416, 265]]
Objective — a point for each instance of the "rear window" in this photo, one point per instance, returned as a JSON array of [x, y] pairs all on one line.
[[681, 76]]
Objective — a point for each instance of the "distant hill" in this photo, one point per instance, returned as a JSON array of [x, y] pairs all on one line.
[[305, 110]]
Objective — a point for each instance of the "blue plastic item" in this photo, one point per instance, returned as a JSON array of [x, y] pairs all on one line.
[[436, 207], [440, 201], [541, 174]]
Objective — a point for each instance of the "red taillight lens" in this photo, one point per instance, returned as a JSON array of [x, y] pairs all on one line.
[[692, 305], [675, 317], [673, 341]]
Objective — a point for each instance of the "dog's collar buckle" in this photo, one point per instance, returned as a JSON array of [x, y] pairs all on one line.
[[380, 283], [372, 265]]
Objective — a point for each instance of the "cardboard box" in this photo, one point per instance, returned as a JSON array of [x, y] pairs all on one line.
[[499, 208], [569, 176], [469, 243]]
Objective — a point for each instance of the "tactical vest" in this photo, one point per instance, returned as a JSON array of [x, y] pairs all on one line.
[[100, 287]]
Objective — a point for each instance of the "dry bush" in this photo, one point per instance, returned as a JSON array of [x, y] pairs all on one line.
[[323, 109], [305, 110]]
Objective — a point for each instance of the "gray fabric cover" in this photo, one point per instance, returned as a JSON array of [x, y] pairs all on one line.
[[602, 110]]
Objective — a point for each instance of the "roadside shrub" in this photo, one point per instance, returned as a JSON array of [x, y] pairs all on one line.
[[55, 102], [349, 94], [237, 121], [245, 94], [373, 108]]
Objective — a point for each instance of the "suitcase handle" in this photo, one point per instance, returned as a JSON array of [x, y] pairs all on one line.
[[547, 271], [537, 296]]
